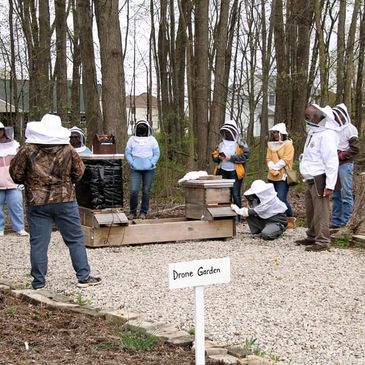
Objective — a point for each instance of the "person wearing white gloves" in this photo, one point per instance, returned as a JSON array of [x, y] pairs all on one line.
[[266, 214], [319, 168], [279, 158]]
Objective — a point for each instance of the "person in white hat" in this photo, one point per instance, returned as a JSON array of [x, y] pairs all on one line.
[[266, 213], [10, 192], [279, 158], [77, 141], [231, 155], [49, 167], [347, 149], [319, 167]]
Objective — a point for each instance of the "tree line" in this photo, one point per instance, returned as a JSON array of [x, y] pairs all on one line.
[[208, 60]]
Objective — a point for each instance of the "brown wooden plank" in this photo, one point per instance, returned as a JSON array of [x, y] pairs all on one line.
[[117, 218], [221, 212], [218, 195], [160, 232]]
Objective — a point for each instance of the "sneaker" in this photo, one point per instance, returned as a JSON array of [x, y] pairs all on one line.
[[132, 216], [1, 233], [91, 281], [39, 287], [142, 216], [22, 233], [317, 248], [305, 242]]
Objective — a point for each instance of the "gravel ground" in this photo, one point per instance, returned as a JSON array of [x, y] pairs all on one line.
[[306, 308]]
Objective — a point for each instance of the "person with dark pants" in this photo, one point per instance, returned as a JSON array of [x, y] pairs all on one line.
[[49, 167], [266, 215], [319, 167], [142, 153], [232, 154]]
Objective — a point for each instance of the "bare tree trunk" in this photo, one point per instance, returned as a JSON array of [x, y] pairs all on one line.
[[303, 12], [157, 65], [76, 58], [44, 60], [89, 82], [217, 111], [349, 65], [190, 75], [179, 74], [322, 53], [360, 75], [266, 34], [13, 78], [282, 78], [201, 81], [61, 61], [37, 34], [112, 70], [340, 74]]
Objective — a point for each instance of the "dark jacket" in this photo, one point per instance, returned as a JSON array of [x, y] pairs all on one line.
[[48, 172]]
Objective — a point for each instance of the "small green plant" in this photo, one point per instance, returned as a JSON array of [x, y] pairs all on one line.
[[191, 331], [78, 299], [10, 312], [275, 358], [343, 241], [251, 347], [131, 340], [136, 341]]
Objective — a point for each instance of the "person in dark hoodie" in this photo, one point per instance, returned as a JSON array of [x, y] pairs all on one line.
[[48, 166], [142, 153]]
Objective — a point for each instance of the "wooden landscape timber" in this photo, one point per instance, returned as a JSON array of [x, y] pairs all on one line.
[[157, 231]]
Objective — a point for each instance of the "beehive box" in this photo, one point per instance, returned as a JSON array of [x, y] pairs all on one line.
[[208, 199]]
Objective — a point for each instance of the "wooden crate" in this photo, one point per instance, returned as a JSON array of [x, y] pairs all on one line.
[[201, 195], [158, 230]]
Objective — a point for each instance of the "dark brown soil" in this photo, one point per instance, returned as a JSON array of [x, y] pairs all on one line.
[[54, 337]]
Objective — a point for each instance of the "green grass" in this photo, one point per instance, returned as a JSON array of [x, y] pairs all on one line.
[[131, 340], [9, 312], [251, 347], [344, 241]]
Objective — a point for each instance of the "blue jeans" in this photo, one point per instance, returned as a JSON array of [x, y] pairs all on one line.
[[343, 201], [282, 189], [236, 189], [67, 219], [146, 178], [14, 200]]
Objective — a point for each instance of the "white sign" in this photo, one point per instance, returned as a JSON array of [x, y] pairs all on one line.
[[199, 273]]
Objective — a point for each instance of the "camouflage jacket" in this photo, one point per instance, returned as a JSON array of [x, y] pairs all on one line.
[[48, 172]]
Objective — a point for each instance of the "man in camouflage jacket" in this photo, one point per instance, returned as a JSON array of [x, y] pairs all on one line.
[[49, 167]]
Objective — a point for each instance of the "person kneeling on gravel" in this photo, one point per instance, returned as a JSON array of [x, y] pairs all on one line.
[[266, 215], [48, 166]]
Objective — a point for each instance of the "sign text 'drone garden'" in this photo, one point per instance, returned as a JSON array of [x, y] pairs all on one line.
[[199, 273]]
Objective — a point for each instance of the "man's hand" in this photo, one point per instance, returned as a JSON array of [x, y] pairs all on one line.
[[327, 192], [241, 211]]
